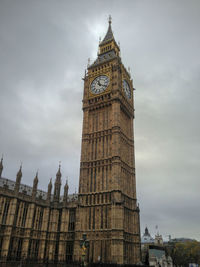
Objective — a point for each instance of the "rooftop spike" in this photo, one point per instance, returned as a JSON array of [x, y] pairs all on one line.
[[1, 166], [109, 19], [109, 34]]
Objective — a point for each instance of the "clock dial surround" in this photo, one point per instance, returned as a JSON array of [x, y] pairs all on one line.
[[99, 84], [127, 89]]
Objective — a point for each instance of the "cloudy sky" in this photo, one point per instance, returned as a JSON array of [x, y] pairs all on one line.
[[44, 48]]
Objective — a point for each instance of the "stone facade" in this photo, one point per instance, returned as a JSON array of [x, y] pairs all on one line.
[[35, 225], [41, 226], [108, 212]]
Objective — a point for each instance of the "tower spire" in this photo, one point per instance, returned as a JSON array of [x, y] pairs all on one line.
[[109, 35]]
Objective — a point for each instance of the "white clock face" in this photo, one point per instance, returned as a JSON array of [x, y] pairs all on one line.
[[99, 84], [127, 89]]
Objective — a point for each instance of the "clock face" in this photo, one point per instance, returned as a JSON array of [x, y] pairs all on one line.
[[99, 84], [127, 89]]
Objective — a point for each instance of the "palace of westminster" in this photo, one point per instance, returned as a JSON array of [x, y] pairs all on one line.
[[40, 226]]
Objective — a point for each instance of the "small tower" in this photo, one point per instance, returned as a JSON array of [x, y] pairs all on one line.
[[49, 190], [18, 179], [57, 185], [1, 166], [35, 184], [66, 188]]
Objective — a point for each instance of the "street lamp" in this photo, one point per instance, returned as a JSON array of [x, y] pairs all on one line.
[[84, 244]]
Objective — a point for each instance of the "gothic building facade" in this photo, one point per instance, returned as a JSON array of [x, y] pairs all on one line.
[[41, 226]]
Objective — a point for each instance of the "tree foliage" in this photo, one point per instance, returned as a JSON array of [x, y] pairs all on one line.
[[184, 253]]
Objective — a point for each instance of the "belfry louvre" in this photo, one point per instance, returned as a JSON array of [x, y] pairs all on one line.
[[43, 226]]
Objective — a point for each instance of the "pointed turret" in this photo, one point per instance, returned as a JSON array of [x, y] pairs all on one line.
[[18, 179], [35, 184], [108, 48], [109, 35], [49, 190], [1, 166], [57, 186], [66, 188]]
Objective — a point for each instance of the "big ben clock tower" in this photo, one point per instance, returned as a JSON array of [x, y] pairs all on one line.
[[108, 212]]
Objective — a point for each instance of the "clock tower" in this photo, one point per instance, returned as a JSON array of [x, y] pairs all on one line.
[[108, 212]]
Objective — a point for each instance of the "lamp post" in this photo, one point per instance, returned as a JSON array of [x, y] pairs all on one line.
[[84, 244]]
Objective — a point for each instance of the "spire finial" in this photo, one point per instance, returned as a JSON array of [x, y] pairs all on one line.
[[110, 19]]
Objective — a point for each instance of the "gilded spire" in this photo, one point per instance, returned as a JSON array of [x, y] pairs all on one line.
[[1, 166]]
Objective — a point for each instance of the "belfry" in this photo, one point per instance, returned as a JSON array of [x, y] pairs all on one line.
[[108, 212]]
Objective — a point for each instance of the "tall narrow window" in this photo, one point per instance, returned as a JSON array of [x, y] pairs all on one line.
[[40, 219], [19, 249], [71, 220], [89, 218], [95, 179], [102, 178], [91, 180], [106, 217], [69, 251], [24, 214], [93, 226], [101, 217], [103, 147], [5, 212]]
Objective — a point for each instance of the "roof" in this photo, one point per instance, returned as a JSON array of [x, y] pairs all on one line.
[[156, 253], [109, 35], [103, 58], [27, 190]]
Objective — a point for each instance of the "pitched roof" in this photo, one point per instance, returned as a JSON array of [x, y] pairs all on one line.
[[109, 35]]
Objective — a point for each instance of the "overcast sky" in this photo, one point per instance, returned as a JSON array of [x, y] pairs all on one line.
[[44, 48]]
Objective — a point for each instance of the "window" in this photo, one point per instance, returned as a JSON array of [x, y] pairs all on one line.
[[5, 212], [71, 226]]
